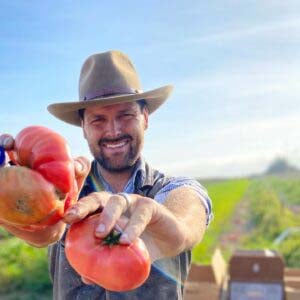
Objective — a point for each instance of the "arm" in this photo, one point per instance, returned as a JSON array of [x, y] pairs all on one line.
[[38, 238], [167, 229], [177, 225]]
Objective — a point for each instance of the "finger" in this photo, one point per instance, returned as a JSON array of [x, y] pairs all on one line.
[[122, 223], [87, 205], [82, 168], [141, 216], [7, 141], [112, 211]]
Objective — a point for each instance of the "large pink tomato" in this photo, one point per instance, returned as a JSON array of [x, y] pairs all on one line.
[[37, 191], [114, 266]]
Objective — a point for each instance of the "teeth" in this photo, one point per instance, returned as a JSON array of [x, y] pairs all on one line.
[[115, 145]]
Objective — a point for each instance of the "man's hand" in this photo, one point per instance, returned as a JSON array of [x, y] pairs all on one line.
[[7, 143], [166, 229]]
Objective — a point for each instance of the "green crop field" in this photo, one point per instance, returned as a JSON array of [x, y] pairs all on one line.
[[273, 211], [23, 271], [273, 207], [225, 196]]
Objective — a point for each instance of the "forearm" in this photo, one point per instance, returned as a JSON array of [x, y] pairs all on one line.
[[190, 214], [38, 238], [176, 226]]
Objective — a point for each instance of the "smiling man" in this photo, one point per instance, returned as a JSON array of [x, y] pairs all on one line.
[[170, 214], [115, 134]]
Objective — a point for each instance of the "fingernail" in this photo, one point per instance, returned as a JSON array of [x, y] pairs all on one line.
[[78, 166], [71, 211], [100, 229], [124, 239]]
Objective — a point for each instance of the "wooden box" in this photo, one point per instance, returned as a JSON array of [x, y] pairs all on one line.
[[205, 282], [257, 274]]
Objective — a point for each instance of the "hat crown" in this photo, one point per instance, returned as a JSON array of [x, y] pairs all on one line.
[[108, 73]]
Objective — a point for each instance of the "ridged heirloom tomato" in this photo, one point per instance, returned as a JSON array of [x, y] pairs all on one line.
[[36, 192], [114, 266]]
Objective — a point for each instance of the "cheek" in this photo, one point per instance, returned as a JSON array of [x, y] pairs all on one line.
[[90, 136]]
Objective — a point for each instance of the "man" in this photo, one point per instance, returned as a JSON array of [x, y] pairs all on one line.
[[169, 214]]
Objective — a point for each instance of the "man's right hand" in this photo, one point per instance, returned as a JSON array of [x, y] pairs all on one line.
[[7, 141]]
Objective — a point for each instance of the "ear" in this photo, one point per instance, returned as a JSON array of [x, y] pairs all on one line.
[[145, 114], [83, 130]]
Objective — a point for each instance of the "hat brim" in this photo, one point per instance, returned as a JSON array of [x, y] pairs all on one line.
[[68, 111]]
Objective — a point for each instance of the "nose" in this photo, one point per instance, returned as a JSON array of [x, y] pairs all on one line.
[[113, 128]]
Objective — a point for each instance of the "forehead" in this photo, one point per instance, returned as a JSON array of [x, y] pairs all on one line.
[[114, 108]]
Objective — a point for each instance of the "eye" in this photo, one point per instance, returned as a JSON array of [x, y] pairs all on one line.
[[97, 120], [127, 116]]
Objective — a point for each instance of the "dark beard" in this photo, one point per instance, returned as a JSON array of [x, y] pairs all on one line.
[[108, 166], [127, 163]]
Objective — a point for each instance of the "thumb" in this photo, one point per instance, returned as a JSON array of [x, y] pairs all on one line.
[[7, 141], [82, 168]]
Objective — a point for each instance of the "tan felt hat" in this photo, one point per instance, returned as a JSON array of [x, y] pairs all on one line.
[[108, 78]]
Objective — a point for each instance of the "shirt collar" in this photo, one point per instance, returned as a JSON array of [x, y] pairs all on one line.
[[137, 178]]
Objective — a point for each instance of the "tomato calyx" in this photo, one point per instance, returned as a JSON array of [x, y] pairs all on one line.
[[112, 238]]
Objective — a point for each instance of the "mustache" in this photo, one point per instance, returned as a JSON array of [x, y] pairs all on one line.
[[114, 140]]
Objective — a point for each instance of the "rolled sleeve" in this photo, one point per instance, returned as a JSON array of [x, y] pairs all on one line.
[[188, 182]]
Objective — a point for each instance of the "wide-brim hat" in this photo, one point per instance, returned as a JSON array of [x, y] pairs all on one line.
[[108, 78]]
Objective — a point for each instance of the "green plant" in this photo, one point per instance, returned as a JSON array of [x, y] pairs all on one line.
[[270, 217], [290, 249], [23, 268]]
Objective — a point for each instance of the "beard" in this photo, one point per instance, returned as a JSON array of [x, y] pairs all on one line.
[[117, 163]]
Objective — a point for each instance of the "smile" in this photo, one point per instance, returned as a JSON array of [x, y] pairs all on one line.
[[116, 144]]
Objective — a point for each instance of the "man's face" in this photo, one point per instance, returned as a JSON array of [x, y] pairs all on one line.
[[115, 134]]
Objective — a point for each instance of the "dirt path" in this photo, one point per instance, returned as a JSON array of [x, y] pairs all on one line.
[[239, 226]]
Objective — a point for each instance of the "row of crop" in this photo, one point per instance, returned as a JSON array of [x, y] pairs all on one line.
[[269, 217], [225, 196]]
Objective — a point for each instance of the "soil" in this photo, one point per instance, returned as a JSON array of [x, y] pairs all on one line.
[[239, 227]]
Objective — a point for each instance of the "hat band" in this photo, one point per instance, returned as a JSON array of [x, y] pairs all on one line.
[[105, 92]]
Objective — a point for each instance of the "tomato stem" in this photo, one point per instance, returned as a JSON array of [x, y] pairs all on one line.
[[113, 238]]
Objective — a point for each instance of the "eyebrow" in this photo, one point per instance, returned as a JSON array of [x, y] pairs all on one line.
[[127, 110]]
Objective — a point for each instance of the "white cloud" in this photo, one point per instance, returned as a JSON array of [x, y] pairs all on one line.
[[231, 149], [269, 29], [247, 79]]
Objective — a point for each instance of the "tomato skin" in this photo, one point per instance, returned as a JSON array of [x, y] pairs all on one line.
[[116, 267], [32, 200], [47, 154], [45, 151]]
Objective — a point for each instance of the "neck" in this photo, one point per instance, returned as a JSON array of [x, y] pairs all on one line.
[[117, 180]]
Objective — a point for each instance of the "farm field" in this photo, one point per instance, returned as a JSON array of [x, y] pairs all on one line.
[[249, 213], [225, 196]]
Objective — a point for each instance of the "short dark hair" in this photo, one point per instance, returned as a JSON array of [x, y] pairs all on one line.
[[81, 113], [142, 104]]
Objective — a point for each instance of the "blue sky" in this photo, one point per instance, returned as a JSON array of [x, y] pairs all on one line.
[[235, 66]]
